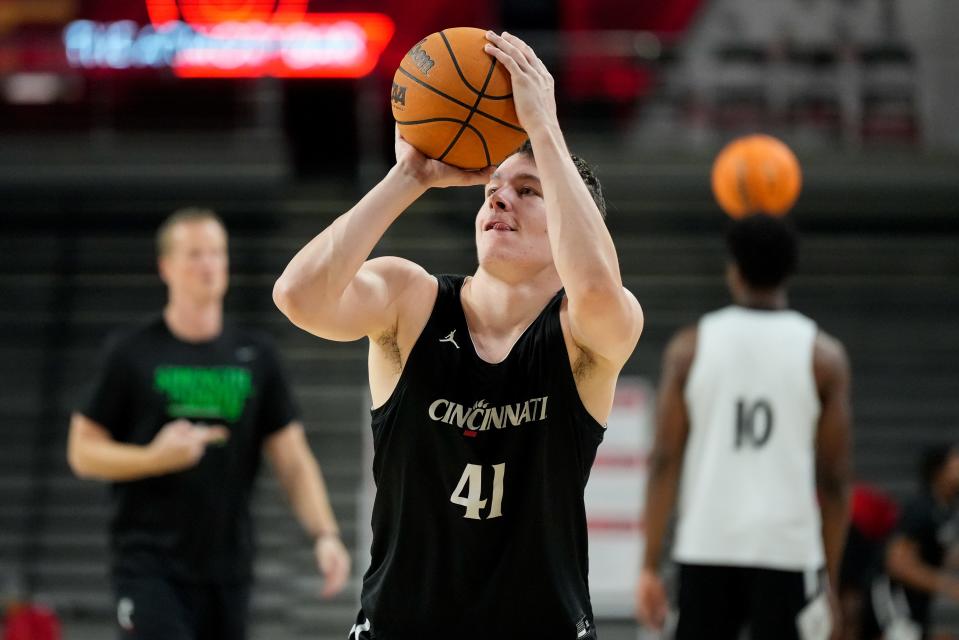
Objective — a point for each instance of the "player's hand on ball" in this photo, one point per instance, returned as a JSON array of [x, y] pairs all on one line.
[[533, 89], [180, 444], [333, 561], [652, 606], [433, 173]]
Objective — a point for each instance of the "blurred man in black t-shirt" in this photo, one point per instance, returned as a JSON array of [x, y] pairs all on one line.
[[183, 408], [926, 530]]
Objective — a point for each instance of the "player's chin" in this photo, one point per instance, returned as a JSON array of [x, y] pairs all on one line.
[[212, 292], [494, 250], [505, 256]]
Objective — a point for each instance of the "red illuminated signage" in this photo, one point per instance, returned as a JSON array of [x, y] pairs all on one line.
[[211, 12], [234, 38]]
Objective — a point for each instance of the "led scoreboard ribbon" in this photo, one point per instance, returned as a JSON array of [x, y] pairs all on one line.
[[251, 38]]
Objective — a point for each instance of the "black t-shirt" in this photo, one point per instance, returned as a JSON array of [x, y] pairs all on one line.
[[193, 525], [931, 527], [479, 523]]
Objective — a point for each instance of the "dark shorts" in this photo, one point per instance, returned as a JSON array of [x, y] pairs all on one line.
[[718, 602], [157, 608]]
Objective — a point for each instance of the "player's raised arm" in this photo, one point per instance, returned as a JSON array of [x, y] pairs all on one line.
[[329, 288], [605, 319]]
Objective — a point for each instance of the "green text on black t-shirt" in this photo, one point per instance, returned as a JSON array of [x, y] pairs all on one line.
[[208, 392]]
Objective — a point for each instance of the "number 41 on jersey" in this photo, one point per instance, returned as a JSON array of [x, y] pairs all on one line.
[[472, 483]]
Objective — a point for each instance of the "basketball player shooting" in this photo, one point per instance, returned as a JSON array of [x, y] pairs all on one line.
[[490, 391]]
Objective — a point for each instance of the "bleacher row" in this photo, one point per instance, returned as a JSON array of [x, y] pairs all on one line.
[[881, 277], [827, 74]]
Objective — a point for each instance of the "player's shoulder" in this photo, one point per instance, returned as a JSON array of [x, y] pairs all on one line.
[[829, 353], [681, 348], [252, 345], [406, 280], [680, 352], [133, 335], [247, 336], [396, 269]]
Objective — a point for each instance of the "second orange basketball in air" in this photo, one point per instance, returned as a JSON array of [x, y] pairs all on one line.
[[454, 102], [756, 174]]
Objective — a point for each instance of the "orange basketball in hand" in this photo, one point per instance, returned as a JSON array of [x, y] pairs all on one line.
[[756, 174], [454, 102]]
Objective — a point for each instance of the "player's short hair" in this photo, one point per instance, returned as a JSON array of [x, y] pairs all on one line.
[[765, 248], [164, 235], [932, 461], [586, 172]]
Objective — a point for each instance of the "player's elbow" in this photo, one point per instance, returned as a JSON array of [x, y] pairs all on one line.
[[832, 482], [613, 308], [78, 462], [898, 560], [289, 300], [601, 291], [283, 296], [78, 449]]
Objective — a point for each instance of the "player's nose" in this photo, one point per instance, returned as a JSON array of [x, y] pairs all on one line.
[[499, 201]]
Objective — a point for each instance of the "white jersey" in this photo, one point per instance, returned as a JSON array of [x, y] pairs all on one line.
[[747, 494]]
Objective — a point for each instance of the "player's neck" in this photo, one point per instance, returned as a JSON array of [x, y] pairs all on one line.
[[772, 300], [496, 306], [194, 322]]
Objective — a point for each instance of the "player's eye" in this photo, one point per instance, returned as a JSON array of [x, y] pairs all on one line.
[[490, 191], [526, 191]]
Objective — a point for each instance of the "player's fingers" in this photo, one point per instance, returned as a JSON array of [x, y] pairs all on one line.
[[398, 138], [643, 612], [500, 43], [215, 434], [652, 611], [659, 615], [540, 66], [455, 177], [521, 46], [652, 618], [398, 135], [504, 58], [531, 58], [329, 587], [480, 176], [181, 425], [335, 573]]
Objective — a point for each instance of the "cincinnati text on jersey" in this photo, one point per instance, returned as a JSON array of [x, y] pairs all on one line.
[[481, 416]]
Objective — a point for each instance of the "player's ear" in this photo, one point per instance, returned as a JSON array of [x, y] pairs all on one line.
[[734, 279], [163, 268]]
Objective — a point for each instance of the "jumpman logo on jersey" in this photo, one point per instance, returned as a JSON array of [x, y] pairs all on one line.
[[449, 338], [358, 629]]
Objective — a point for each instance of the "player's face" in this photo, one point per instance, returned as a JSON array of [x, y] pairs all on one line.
[[511, 224], [196, 266]]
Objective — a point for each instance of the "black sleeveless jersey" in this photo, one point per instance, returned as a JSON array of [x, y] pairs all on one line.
[[479, 525]]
